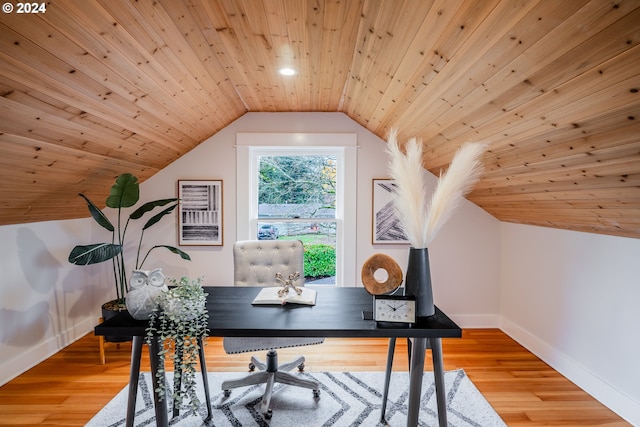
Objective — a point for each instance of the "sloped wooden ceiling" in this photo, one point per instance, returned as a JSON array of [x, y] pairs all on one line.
[[94, 88]]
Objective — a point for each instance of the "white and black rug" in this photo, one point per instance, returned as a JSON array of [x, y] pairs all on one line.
[[346, 400]]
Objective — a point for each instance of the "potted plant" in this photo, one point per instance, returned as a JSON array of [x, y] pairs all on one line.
[[422, 218], [179, 322], [124, 193]]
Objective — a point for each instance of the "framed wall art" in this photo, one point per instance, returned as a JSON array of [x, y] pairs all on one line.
[[386, 224], [200, 212]]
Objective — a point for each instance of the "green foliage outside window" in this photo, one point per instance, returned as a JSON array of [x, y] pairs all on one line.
[[297, 180], [319, 261]]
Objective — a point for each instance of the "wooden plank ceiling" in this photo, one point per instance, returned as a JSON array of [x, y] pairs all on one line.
[[94, 88]]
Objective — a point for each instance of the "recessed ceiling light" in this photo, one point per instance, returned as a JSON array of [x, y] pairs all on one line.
[[287, 71]]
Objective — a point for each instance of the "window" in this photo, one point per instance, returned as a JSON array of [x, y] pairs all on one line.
[[301, 191], [296, 193]]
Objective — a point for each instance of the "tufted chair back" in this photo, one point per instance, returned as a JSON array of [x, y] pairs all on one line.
[[256, 262]]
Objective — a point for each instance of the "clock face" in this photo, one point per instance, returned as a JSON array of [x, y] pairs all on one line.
[[388, 309]]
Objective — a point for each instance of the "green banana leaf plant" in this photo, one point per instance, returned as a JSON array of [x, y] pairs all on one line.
[[124, 194]]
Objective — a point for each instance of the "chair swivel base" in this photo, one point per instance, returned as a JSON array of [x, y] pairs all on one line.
[[270, 373]]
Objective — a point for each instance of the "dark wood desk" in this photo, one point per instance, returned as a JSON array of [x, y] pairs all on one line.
[[337, 313]]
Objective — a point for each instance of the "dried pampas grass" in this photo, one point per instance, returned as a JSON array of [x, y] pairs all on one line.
[[420, 220]]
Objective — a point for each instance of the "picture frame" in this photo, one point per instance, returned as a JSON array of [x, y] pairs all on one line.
[[200, 212], [386, 223]]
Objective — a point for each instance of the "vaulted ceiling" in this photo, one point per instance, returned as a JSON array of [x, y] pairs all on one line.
[[94, 88]]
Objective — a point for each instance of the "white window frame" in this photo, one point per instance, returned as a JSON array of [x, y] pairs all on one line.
[[342, 145]]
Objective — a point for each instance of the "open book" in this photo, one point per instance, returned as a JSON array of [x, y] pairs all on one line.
[[270, 296]]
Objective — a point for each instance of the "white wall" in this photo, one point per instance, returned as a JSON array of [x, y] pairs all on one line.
[[573, 299], [45, 302]]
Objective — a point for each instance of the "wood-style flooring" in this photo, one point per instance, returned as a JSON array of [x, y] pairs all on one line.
[[71, 387]]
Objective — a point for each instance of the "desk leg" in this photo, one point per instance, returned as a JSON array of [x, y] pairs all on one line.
[[387, 377], [438, 375], [134, 373], [162, 417], [416, 369], [205, 379]]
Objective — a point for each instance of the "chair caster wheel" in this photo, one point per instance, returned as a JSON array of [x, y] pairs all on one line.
[[268, 414], [301, 367], [252, 367], [227, 393], [316, 394]]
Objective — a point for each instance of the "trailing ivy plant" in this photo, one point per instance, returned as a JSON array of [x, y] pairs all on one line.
[[179, 322]]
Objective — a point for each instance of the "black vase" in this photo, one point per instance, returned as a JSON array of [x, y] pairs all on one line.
[[418, 281], [112, 309]]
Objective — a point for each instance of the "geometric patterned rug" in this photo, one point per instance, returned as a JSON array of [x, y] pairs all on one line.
[[346, 400]]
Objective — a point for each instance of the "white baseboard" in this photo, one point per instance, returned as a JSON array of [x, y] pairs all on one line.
[[618, 402], [9, 369], [476, 321]]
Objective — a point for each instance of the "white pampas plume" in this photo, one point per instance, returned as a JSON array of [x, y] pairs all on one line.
[[410, 197], [464, 171], [421, 222]]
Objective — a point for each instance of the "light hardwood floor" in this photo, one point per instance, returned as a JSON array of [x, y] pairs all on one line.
[[71, 386]]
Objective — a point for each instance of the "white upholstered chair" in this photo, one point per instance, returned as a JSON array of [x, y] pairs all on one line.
[[256, 263]]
